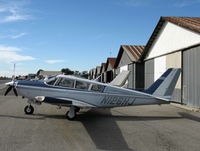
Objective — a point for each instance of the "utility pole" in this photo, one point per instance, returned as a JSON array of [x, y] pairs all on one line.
[[13, 77]]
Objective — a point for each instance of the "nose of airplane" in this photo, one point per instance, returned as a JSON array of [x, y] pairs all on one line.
[[11, 85]]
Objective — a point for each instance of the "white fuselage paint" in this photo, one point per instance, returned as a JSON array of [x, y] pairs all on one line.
[[111, 96]]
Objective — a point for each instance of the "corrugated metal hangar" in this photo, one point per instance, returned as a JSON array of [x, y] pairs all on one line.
[[174, 43]]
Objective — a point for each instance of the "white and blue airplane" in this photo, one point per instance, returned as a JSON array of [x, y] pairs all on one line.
[[76, 93]]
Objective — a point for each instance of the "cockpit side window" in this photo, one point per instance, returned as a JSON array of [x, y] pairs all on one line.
[[96, 87], [82, 85], [63, 82], [51, 81]]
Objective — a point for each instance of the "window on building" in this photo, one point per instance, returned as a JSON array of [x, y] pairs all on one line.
[[82, 85], [63, 82]]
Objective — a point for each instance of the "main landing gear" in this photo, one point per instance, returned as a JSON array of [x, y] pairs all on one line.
[[29, 109], [71, 114]]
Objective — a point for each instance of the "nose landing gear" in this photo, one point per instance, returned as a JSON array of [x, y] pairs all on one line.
[[29, 109]]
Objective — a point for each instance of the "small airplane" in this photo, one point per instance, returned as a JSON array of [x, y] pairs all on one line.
[[77, 93]]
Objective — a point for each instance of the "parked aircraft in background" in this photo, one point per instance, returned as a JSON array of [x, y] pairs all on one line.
[[76, 93]]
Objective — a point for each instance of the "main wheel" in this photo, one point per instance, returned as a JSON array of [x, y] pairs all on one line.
[[70, 116], [29, 109]]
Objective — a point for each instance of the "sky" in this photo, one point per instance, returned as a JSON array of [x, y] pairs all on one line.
[[77, 34]]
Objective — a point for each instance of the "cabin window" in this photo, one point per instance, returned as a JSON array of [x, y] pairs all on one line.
[[96, 87], [82, 85], [51, 81], [63, 82]]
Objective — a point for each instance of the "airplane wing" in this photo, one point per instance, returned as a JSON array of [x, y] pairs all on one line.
[[62, 101], [120, 79]]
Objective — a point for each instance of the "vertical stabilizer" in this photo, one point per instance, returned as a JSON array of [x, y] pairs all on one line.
[[164, 86]]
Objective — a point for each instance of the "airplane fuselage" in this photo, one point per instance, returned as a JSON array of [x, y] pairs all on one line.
[[105, 96]]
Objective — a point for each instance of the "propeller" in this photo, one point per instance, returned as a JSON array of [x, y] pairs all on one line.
[[11, 86]]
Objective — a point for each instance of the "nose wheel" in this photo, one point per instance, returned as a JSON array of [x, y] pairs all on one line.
[[29, 109]]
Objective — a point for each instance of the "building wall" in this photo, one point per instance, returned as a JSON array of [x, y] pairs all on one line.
[[125, 60], [109, 67], [191, 75], [131, 77], [124, 65], [172, 37], [149, 72], [139, 76], [174, 60]]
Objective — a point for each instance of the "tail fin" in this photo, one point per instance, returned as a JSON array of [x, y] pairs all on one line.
[[164, 86]]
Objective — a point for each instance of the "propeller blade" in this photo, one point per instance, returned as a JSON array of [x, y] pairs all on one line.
[[8, 90], [15, 91]]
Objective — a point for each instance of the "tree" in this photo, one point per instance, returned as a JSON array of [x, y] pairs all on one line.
[[84, 74]]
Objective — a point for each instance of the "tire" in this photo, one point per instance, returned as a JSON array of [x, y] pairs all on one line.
[[70, 118], [29, 109]]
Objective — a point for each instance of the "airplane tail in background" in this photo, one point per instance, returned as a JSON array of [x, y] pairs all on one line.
[[164, 86]]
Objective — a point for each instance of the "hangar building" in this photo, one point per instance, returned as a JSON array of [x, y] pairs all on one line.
[[128, 60], [175, 43]]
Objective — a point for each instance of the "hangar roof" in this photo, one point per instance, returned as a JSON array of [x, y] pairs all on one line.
[[133, 51], [110, 61], [98, 68], [191, 23], [103, 65]]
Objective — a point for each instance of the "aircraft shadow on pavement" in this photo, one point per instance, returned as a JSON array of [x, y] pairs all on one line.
[[104, 130], [23, 117], [189, 116], [102, 126]]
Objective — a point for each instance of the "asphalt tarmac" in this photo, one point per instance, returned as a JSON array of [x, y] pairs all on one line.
[[139, 128]]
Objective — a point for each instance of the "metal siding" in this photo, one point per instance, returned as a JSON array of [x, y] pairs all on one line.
[[149, 73], [125, 60], [191, 74], [174, 61], [139, 80], [109, 67], [131, 77]]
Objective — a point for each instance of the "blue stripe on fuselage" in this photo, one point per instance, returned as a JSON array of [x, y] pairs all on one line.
[[41, 84], [52, 100]]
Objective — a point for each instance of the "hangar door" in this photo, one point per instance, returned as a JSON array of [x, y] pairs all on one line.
[[191, 77]]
